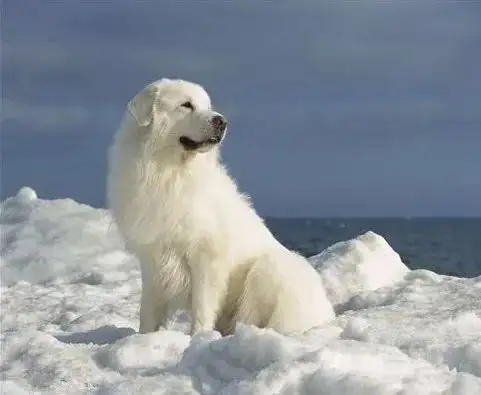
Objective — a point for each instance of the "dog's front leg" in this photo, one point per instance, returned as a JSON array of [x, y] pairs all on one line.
[[208, 288], [153, 311]]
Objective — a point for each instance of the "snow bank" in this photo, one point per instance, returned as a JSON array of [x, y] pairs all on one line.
[[70, 298], [365, 263], [42, 240]]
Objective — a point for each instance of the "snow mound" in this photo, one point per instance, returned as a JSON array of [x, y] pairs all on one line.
[[70, 297], [42, 240], [26, 194], [366, 262]]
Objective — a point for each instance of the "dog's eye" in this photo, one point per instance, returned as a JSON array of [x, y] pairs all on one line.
[[188, 104]]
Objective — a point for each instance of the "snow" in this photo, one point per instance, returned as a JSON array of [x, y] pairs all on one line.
[[348, 267], [69, 315]]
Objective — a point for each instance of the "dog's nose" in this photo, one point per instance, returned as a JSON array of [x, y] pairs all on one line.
[[219, 122]]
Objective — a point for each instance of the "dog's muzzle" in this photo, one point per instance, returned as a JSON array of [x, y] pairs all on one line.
[[219, 124]]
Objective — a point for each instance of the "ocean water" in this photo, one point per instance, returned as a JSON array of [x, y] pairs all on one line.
[[447, 246]]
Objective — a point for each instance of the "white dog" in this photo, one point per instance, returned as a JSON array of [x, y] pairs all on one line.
[[202, 247]]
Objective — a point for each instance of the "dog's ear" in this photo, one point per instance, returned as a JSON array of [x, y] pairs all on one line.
[[141, 107]]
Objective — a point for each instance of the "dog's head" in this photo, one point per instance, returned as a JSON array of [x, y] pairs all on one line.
[[177, 115]]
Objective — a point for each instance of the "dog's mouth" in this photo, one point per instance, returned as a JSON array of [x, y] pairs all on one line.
[[191, 145]]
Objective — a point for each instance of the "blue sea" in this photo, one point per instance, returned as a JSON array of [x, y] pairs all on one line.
[[446, 246]]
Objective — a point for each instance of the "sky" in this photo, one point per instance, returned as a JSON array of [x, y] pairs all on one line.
[[346, 108]]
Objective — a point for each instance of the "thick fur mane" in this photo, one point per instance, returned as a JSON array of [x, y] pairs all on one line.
[[145, 186]]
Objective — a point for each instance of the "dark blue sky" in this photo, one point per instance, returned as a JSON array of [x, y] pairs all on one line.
[[336, 108]]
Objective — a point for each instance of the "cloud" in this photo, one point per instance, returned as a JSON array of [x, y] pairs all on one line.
[[335, 83], [283, 52], [44, 117]]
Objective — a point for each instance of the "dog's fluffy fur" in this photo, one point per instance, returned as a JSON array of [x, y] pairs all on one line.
[[201, 245]]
